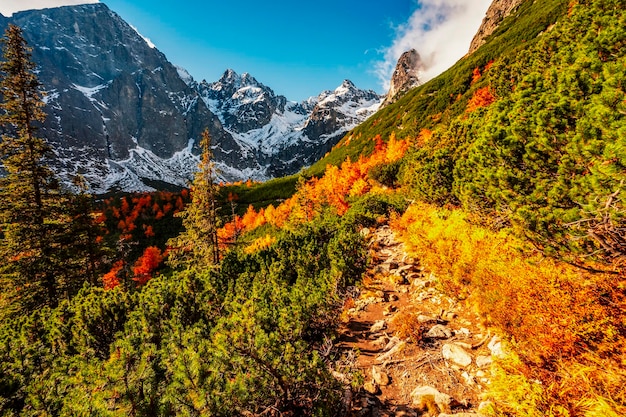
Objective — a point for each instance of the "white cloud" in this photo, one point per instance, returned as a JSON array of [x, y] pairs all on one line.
[[8, 7], [440, 30]]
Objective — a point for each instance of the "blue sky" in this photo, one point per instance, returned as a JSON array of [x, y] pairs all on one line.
[[298, 48]]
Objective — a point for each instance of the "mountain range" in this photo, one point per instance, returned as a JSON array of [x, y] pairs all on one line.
[[124, 117]]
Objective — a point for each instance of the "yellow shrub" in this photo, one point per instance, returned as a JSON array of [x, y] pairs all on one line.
[[260, 243], [569, 325]]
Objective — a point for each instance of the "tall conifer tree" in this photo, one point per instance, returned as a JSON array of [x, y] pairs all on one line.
[[32, 218], [198, 244]]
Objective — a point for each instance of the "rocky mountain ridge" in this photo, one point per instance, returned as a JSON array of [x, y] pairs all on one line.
[[285, 135], [410, 66], [124, 117]]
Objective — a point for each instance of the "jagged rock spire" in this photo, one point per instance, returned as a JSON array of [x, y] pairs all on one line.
[[406, 75]]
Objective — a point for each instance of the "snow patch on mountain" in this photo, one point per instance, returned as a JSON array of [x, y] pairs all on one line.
[[184, 75], [142, 164]]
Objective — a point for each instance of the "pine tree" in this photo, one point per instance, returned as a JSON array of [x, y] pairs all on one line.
[[199, 243], [83, 252], [32, 215]]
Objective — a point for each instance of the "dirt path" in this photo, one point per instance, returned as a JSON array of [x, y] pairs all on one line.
[[419, 352]]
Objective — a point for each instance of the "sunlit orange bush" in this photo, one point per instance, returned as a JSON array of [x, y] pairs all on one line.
[[483, 97], [568, 324], [147, 264]]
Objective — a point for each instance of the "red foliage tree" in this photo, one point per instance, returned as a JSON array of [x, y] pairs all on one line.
[[111, 279], [147, 264], [148, 230]]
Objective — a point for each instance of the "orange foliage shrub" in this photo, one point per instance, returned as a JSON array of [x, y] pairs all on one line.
[[476, 75], [483, 97], [111, 279], [332, 190], [408, 326], [148, 230], [560, 317]]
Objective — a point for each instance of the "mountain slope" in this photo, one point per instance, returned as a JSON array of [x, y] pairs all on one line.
[[438, 101]]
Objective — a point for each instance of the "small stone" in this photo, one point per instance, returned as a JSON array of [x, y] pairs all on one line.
[[414, 278], [389, 309], [465, 331], [389, 354], [422, 318], [372, 388], [483, 361], [381, 342], [391, 265], [397, 279], [420, 396], [448, 315], [405, 267], [439, 331], [380, 377], [480, 374], [392, 343], [405, 412], [378, 326], [392, 297], [456, 354], [495, 346], [403, 290], [469, 380], [365, 232], [464, 345]]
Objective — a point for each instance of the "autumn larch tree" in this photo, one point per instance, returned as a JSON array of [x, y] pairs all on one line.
[[198, 243], [32, 207]]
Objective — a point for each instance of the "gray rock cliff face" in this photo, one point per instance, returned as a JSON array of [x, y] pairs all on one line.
[[123, 116], [496, 13], [110, 93], [405, 76]]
